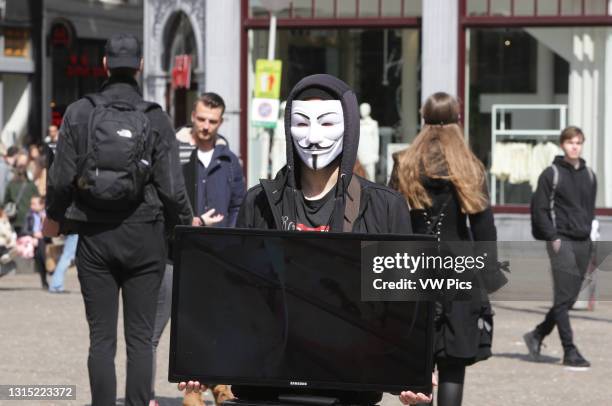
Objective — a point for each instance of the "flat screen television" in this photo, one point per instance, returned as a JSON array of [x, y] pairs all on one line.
[[284, 309]]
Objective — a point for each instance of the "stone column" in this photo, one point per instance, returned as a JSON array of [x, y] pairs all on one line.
[[222, 50], [440, 54]]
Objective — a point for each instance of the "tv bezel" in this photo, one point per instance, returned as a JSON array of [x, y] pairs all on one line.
[[180, 231]]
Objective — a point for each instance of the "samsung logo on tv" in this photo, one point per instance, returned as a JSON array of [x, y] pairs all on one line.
[[296, 383]]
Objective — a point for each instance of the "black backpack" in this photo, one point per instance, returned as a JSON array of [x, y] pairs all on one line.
[[112, 175]]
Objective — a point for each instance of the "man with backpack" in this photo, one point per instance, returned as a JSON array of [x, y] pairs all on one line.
[[562, 210], [117, 177]]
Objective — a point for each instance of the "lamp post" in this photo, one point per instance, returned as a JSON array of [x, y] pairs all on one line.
[[273, 7]]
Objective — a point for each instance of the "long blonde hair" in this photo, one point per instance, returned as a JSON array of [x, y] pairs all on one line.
[[440, 152]]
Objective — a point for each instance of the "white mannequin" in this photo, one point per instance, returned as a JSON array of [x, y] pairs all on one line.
[[368, 152], [278, 153]]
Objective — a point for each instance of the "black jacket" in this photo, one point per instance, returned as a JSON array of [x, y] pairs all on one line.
[[222, 183], [381, 210], [574, 201], [271, 204], [165, 192], [458, 334]]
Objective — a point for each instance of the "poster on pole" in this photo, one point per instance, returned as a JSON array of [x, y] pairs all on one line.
[[266, 104]]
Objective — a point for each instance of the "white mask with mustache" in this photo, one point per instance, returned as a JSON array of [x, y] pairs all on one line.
[[317, 129]]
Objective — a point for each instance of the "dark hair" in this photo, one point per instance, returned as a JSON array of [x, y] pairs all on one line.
[[440, 109], [212, 100], [570, 132], [41, 199], [125, 72], [12, 151]]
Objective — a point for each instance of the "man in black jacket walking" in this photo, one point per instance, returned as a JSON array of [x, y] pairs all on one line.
[[119, 249], [563, 209]]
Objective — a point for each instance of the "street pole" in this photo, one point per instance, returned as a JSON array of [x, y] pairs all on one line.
[[272, 37], [271, 49]]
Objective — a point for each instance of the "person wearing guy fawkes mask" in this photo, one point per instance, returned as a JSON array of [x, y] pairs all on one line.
[[317, 191]]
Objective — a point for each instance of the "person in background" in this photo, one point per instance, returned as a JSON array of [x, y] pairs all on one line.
[[121, 249], [33, 228], [445, 186], [6, 168], [19, 192], [563, 208], [213, 176]]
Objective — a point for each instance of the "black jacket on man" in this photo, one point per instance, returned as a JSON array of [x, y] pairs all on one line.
[[574, 201], [164, 194]]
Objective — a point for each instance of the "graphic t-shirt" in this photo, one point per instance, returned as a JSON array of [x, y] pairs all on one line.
[[315, 215]]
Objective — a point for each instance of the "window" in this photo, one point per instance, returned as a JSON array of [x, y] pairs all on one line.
[[17, 42]]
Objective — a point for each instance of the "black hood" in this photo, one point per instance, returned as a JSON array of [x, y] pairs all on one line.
[[560, 160], [341, 91]]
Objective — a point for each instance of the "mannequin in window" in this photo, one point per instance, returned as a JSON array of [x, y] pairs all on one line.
[[368, 153], [278, 151]]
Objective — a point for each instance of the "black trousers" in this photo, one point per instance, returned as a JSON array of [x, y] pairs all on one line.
[[39, 262], [129, 258], [569, 266]]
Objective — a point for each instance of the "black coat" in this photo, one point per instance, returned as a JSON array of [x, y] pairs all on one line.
[[461, 333], [381, 210], [164, 194]]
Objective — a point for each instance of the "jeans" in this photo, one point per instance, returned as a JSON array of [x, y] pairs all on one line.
[[568, 268], [68, 254]]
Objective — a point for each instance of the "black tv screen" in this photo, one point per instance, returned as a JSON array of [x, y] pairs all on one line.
[[284, 309]]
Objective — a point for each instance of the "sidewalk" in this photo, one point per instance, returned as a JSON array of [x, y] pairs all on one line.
[[44, 340]]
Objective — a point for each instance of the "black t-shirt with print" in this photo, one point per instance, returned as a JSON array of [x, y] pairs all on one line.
[[314, 215]]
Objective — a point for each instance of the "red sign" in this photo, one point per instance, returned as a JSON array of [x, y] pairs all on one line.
[[181, 72], [56, 118], [80, 67], [62, 34]]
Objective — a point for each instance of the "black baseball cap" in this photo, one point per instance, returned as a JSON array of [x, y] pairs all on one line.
[[123, 51]]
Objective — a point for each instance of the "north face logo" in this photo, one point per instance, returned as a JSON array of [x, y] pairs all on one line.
[[125, 133]]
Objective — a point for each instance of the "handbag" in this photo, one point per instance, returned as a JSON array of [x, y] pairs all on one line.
[[10, 209]]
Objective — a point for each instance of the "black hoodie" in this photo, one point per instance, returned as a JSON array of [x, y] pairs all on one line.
[[272, 203], [574, 201]]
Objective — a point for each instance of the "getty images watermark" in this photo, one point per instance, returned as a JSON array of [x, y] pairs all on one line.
[[427, 270]]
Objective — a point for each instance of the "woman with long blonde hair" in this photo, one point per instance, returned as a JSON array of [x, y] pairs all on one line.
[[445, 186]]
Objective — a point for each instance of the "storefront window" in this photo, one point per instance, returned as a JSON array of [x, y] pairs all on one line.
[[536, 7], [381, 65], [340, 9], [16, 42], [516, 106]]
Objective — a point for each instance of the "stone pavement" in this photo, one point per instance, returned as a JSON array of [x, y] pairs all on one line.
[[44, 340]]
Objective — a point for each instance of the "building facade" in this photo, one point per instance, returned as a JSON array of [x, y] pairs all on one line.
[[73, 37], [20, 80], [208, 33]]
